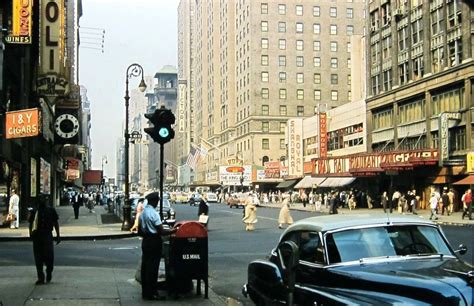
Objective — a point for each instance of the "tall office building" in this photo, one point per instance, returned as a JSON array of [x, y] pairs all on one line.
[[420, 82], [255, 64]]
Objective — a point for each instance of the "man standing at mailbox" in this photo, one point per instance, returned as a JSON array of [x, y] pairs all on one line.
[[151, 229]]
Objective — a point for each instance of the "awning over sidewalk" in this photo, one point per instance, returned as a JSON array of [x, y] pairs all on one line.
[[286, 184], [469, 180], [337, 181], [309, 182]]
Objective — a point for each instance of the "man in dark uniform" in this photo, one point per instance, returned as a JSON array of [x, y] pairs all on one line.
[[151, 229], [42, 221]]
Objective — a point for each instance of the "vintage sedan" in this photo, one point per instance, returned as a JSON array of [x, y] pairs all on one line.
[[362, 260]]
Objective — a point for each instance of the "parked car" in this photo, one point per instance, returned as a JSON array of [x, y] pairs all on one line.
[[362, 260], [181, 197], [211, 197], [237, 200]]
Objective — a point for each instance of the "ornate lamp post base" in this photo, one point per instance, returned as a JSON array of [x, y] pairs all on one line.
[[126, 225]]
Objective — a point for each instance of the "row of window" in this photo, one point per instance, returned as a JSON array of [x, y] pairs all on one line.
[[334, 78], [333, 47], [283, 95], [282, 62], [446, 101], [299, 28], [282, 10]]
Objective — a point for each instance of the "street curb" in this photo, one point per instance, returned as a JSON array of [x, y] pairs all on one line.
[[76, 238], [450, 223]]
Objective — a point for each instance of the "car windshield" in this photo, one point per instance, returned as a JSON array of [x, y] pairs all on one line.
[[356, 244]]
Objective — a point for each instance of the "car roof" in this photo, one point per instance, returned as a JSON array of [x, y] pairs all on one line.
[[340, 221]]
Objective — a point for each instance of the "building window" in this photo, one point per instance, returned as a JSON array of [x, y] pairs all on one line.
[[264, 43], [316, 11], [455, 52], [282, 44], [349, 62], [281, 27], [417, 31], [418, 68], [403, 73], [403, 39], [387, 79], [265, 110], [383, 119], [349, 13], [299, 27], [316, 45], [281, 9], [282, 143], [282, 60], [265, 144], [299, 61], [265, 93], [299, 10], [264, 8], [283, 110], [386, 47], [437, 20], [264, 26], [282, 77], [264, 76], [350, 30], [411, 111], [437, 59], [299, 111], [282, 93], [349, 95], [317, 78], [316, 61], [265, 126], [334, 95], [299, 45], [333, 46], [334, 79], [316, 28], [333, 12], [334, 62], [349, 47], [299, 94], [317, 95], [300, 78], [349, 79], [333, 29], [375, 84], [448, 101], [282, 127], [264, 60]]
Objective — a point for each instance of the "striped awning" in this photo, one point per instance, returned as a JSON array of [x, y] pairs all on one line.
[[337, 181], [310, 182]]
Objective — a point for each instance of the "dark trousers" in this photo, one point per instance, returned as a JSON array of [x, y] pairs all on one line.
[[468, 211], [43, 251], [151, 255], [76, 210], [393, 204]]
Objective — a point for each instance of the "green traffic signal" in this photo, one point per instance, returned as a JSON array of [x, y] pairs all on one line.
[[162, 119]]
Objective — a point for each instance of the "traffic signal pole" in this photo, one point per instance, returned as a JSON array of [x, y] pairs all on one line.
[[162, 158]]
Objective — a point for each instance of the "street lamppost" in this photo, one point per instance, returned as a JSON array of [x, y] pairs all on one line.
[[134, 70], [104, 159]]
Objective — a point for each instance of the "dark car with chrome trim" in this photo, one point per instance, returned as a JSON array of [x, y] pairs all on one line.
[[362, 260]]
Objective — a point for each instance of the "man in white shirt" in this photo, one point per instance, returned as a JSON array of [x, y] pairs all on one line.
[[14, 208]]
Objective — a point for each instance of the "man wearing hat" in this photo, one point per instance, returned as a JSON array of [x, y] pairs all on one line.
[[151, 229]]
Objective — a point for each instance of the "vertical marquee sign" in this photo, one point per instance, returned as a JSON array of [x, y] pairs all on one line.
[[21, 22], [323, 129], [51, 82], [181, 105], [295, 147]]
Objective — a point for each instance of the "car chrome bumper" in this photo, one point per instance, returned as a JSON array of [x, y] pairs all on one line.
[[244, 290]]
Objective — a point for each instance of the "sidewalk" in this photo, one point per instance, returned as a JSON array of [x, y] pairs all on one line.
[[89, 226], [81, 285], [454, 219]]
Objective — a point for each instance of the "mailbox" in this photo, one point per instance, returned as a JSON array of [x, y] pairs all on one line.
[[188, 255]]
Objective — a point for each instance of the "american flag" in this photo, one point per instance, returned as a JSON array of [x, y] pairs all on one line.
[[203, 150], [193, 157]]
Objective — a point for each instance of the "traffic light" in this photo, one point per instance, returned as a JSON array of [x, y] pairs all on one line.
[[162, 119]]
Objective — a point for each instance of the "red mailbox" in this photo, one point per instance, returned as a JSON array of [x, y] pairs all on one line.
[[188, 255]]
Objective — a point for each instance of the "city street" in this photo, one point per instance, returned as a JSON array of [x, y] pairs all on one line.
[[231, 248]]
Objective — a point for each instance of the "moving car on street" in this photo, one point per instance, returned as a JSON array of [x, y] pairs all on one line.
[[362, 260], [237, 200], [194, 199], [211, 197]]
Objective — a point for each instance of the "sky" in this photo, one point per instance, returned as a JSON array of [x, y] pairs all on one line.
[[136, 31]]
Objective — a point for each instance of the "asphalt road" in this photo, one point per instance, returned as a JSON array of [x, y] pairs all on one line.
[[231, 248]]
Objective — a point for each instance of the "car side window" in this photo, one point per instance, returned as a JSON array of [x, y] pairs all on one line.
[[311, 249]]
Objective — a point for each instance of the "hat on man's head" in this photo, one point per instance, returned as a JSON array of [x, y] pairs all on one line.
[[153, 196]]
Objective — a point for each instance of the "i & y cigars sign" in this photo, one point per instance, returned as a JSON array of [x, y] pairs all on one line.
[[22, 123]]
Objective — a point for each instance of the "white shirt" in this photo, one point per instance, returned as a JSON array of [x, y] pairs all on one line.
[[433, 202], [14, 202]]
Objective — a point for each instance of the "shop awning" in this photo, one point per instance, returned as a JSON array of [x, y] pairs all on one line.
[[287, 184], [337, 181], [310, 182], [468, 180]]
